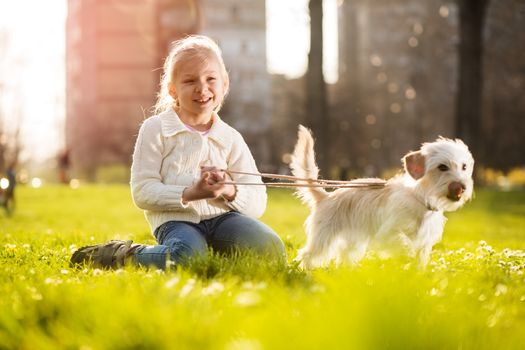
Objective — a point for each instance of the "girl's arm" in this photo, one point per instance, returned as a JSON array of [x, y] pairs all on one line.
[[147, 189]]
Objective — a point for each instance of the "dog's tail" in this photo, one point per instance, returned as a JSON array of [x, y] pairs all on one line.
[[303, 166]]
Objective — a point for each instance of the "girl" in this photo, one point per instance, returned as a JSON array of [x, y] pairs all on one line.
[[176, 176]]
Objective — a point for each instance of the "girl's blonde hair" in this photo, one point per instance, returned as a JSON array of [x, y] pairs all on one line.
[[199, 46]]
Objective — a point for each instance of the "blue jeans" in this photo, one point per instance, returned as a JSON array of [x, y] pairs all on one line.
[[180, 240]]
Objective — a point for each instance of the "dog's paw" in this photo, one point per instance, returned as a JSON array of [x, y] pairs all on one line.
[[303, 261]]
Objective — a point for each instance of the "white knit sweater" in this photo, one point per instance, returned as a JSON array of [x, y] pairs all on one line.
[[167, 159]]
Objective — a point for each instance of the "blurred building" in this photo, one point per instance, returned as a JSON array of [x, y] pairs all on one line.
[[239, 26], [115, 51]]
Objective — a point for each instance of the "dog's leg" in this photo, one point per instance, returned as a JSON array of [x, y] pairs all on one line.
[[429, 233], [318, 242], [340, 250], [407, 245], [424, 256], [310, 255], [358, 252]]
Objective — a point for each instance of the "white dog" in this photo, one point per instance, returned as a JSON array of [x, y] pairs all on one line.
[[408, 210]]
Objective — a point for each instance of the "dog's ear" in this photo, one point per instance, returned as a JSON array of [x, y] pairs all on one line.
[[414, 163]]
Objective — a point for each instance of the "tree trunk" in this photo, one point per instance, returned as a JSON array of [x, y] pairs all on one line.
[[316, 104], [470, 80]]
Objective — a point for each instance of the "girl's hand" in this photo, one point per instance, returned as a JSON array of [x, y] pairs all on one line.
[[218, 176], [209, 186]]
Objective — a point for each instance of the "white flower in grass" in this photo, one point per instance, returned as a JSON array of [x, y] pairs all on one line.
[[188, 287], [247, 299], [493, 319], [35, 294], [434, 292], [10, 246], [53, 281], [502, 263], [317, 288], [64, 271], [213, 288], [257, 286], [247, 285], [172, 282], [501, 289], [97, 272], [468, 256], [261, 285], [482, 243], [243, 344], [485, 249], [509, 253]]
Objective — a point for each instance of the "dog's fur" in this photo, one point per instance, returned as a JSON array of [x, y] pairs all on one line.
[[407, 212]]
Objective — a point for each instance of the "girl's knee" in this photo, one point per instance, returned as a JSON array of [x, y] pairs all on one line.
[[181, 250], [268, 243]]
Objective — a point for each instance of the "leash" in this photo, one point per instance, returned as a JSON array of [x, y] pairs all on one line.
[[310, 182]]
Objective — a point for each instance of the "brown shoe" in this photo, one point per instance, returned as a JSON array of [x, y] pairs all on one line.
[[111, 255]]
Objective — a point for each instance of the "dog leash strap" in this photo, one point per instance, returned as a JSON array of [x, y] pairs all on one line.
[[291, 184], [320, 181], [268, 175]]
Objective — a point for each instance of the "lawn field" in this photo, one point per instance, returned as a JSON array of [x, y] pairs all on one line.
[[471, 296]]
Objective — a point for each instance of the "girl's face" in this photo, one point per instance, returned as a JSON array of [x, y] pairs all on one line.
[[198, 86]]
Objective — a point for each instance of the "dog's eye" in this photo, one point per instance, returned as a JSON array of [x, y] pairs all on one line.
[[464, 167], [442, 167]]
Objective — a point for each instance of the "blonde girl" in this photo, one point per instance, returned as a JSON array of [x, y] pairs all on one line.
[[176, 177]]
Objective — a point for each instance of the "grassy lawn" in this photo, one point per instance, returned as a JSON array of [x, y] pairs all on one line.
[[472, 295]]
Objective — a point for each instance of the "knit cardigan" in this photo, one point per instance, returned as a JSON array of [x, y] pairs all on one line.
[[167, 159]]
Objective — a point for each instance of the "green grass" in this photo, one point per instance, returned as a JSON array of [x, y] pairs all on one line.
[[471, 296]]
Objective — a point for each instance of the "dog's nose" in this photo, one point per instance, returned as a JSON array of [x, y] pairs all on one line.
[[455, 190]]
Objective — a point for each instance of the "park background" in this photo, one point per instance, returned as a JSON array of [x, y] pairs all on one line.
[[78, 77], [375, 80]]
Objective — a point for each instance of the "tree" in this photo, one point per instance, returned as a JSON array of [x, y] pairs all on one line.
[[10, 140], [470, 80], [316, 104]]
